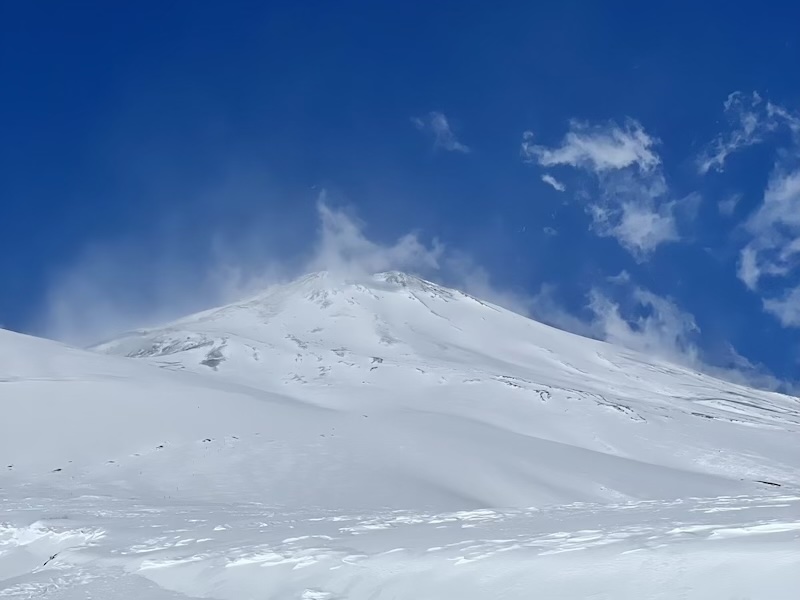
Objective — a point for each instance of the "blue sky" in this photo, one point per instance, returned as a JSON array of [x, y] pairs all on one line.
[[620, 170]]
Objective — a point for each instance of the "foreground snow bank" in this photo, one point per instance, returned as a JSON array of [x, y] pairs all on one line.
[[725, 547]]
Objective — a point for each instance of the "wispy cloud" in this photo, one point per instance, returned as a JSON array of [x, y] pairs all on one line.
[[775, 229], [773, 250], [437, 124], [747, 115], [636, 215], [632, 203], [751, 120], [786, 307], [748, 269], [597, 148], [554, 183], [636, 318], [657, 326], [727, 206]]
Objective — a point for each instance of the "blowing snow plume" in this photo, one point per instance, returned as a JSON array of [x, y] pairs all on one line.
[[114, 286]]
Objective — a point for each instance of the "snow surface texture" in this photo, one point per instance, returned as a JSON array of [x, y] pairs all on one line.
[[386, 438]]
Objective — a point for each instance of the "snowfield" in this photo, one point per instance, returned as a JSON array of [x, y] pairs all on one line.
[[386, 438]]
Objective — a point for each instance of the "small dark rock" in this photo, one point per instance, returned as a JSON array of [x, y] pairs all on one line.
[[768, 483], [697, 414]]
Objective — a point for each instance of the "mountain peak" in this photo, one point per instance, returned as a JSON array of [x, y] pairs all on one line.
[[399, 278], [322, 287], [337, 279]]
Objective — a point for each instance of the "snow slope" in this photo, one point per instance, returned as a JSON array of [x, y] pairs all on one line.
[[450, 381], [386, 438]]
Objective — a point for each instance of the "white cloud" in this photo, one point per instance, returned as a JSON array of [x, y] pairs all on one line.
[[632, 203], [748, 269], [751, 120], [639, 227], [773, 250], [775, 228], [635, 209], [437, 124], [781, 201], [554, 183], [654, 325], [596, 148], [746, 115], [786, 308], [788, 118]]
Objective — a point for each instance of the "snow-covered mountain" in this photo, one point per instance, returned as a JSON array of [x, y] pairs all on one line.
[[544, 415], [336, 438]]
